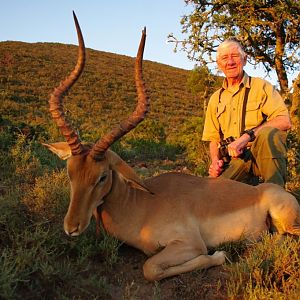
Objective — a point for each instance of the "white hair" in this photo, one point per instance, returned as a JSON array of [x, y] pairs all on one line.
[[231, 41]]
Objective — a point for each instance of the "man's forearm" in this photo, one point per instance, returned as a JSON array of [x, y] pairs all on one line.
[[280, 122], [214, 150]]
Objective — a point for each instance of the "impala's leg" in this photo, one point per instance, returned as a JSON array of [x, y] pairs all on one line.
[[180, 257], [285, 213]]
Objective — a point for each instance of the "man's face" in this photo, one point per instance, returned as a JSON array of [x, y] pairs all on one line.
[[230, 61]]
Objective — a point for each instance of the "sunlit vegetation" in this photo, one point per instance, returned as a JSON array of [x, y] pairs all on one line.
[[270, 270], [37, 259]]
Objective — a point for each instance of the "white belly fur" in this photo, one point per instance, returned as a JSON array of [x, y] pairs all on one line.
[[245, 223]]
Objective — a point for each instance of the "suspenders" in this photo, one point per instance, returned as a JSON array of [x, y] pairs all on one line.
[[243, 108]]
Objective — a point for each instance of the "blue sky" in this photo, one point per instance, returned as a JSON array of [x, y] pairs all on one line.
[[113, 26]]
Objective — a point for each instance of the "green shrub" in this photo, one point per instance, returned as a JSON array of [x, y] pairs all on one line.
[[190, 137], [6, 167], [13, 217], [146, 150], [40, 264], [270, 270], [149, 129], [26, 159], [293, 155], [38, 259], [6, 140], [8, 275], [26, 165], [49, 195]]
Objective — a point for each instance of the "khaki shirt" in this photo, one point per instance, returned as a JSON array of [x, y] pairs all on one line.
[[225, 111]]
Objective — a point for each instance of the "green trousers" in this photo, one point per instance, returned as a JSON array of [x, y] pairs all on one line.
[[265, 159]]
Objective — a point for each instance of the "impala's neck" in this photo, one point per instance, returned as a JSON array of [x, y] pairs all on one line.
[[121, 212]]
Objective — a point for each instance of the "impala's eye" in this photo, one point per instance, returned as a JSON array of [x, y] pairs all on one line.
[[102, 178]]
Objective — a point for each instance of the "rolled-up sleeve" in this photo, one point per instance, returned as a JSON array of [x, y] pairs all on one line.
[[274, 105]]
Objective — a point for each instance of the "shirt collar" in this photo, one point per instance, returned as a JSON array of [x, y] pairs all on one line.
[[245, 82]]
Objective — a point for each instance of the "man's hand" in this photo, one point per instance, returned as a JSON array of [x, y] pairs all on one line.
[[216, 168], [236, 148]]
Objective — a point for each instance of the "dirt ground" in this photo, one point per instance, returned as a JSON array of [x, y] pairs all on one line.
[[126, 281]]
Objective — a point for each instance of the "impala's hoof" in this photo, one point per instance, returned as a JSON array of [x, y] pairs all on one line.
[[220, 257]]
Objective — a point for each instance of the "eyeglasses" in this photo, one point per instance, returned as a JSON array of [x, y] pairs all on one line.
[[227, 57]]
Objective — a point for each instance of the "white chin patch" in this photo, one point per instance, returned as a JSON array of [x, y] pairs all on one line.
[[75, 233]]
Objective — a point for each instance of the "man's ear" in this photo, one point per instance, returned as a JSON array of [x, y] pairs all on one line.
[[61, 149], [245, 59]]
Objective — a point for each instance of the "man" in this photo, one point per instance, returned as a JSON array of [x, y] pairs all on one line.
[[253, 113]]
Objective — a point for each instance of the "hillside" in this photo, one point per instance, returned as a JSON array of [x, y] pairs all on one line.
[[104, 94]]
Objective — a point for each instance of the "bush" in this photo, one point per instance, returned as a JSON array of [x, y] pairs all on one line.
[[26, 164], [293, 156], [271, 270], [37, 259], [149, 129], [190, 137], [146, 150], [49, 196]]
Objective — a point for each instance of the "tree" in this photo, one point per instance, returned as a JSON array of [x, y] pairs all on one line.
[[268, 30], [294, 110], [202, 83]]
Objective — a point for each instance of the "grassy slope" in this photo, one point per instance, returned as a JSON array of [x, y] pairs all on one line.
[[104, 94]]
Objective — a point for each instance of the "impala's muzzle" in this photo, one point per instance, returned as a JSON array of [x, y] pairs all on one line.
[[74, 227], [72, 232]]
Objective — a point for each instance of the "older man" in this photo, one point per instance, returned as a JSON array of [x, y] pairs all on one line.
[[250, 114]]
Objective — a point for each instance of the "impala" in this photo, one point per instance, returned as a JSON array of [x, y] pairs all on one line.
[[173, 217]]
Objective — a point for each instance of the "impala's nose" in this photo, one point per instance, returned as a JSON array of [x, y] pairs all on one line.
[[74, 226], [74, 232], [71, 229]]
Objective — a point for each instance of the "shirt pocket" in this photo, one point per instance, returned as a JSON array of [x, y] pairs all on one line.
[[253, 114]]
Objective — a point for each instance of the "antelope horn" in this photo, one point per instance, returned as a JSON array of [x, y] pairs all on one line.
[[56, 99], [99, 149]]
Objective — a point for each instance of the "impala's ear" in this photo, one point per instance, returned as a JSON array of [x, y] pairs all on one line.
[[119, 165], [61, 149]]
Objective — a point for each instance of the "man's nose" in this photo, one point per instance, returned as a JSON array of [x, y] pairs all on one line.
[[230, 60]]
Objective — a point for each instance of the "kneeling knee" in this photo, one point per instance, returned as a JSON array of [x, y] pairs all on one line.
[[272, 134]]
